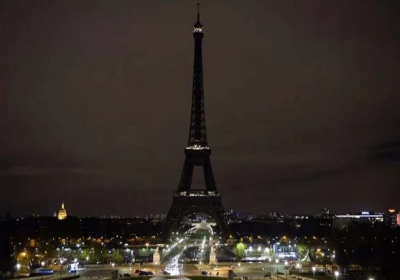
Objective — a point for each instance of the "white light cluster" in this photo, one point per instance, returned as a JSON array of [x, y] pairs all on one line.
[[197, 29], [207, 193], [197, 147]]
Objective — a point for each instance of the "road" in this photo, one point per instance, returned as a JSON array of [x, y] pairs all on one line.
[[175, 266], [253, 271], [249, 270]]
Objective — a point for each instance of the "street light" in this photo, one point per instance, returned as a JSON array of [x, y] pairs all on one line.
[[270, 269], [298, 267], [336, 274], [287, 268], [61, 261], [276, 261], [313, 271], [264, 267], [42, 263], [18, 267]]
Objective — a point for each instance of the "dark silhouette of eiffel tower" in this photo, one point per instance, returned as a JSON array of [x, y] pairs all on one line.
[[187, 200]]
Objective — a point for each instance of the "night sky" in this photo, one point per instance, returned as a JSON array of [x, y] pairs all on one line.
[[302, 104]]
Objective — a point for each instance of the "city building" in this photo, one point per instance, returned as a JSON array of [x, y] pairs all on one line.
[[342, 221], [392, 218]]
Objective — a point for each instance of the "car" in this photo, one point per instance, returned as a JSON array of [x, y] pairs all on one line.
[[42, 271], [203, 272], [165, 272], [149, 272], [267, 274], [126, 275]]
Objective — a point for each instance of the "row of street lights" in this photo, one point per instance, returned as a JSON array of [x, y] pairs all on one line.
[[336, 273]]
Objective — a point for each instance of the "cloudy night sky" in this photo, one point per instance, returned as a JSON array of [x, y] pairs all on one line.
[[302, 104]]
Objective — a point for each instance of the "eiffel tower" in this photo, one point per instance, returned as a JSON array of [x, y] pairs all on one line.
[[187, 200]]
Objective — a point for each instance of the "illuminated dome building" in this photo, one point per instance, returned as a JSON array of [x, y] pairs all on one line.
[[62, 213]]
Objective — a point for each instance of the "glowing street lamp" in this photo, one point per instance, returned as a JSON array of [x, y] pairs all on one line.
[[42, 263], [336, 274], [287, 268], [18, 267], [313, 271], [276, 261], [61, 261]]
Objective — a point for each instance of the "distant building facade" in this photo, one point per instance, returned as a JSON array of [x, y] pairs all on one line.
[[392, 218], [343, 221]]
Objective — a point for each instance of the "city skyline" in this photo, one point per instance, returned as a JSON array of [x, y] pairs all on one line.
[[60, 213], [301, 105]]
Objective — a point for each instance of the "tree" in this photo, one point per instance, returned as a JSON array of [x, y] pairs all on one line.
[[240, 250], [116, 257], [7, 262], [104, 257], [302, 250], [85, 254], [48, 250], [97, 251]]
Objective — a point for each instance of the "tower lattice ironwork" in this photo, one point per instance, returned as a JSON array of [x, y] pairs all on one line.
[[187, 200]]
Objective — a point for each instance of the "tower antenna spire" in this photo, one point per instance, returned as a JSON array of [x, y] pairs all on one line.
[[198, 12]]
